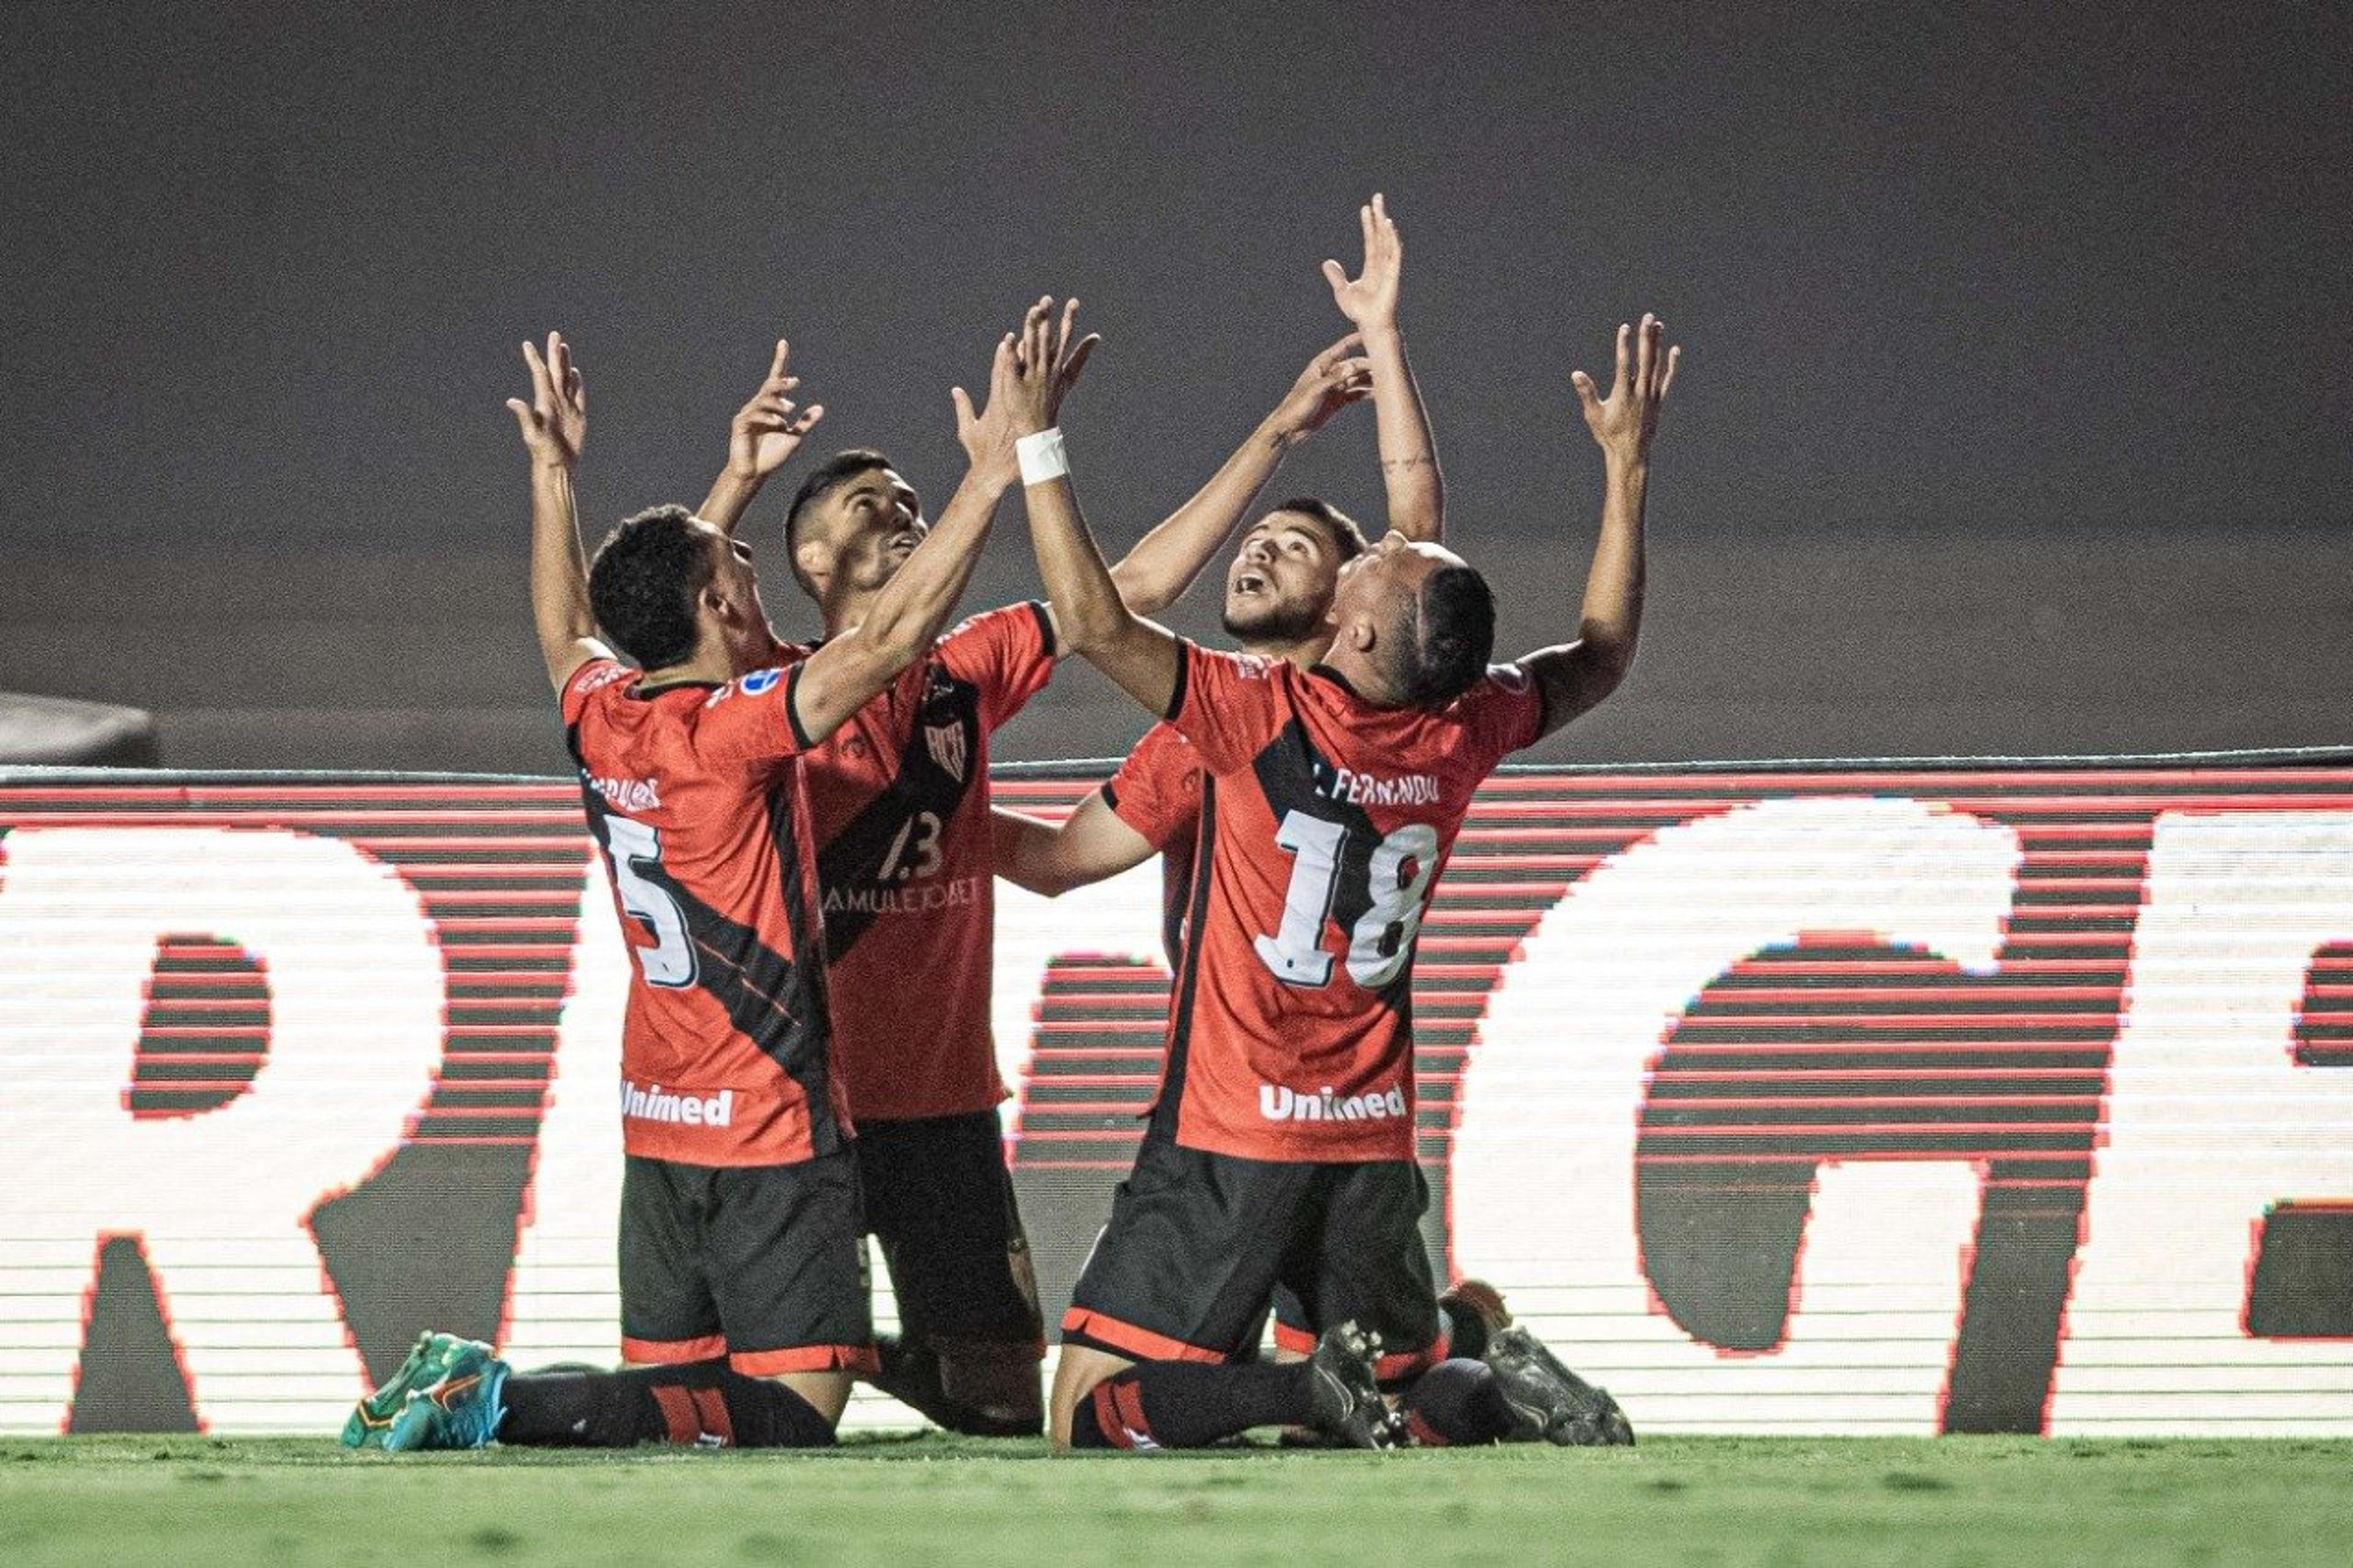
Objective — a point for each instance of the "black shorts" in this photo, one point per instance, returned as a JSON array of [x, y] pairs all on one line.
[[762, 1263], [940, 1201], [1198, 1242]]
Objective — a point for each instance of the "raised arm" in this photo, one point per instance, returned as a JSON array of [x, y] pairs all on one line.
[[554, 426], [1576, 677], [1162, 565], [1417, 490], [910, 611], [764, 433], [1142, 658], [1091, 846]]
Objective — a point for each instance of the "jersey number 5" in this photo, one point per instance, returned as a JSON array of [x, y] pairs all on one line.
[[1382, 937], [629, 845]]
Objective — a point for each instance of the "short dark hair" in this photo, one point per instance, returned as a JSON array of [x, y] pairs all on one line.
[[1347, 539], [1451, 629], [822, 481], [644, 582]]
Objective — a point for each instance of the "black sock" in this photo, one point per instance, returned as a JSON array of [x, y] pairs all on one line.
[[704, 1403], [1187, 1405], [1456, 1402]]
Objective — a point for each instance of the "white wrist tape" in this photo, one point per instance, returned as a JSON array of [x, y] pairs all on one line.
[[1043, 458]]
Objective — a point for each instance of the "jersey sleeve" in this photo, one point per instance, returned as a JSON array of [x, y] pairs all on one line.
[[580, 691], [1008, 653], [1229, 705], [1157, 791], [749, 722], [1502, 712]]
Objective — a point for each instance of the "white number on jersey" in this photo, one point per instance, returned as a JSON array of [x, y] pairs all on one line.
[[923, 827], [1294, 952], [1379, 943], [1377, 947], [670, 961]]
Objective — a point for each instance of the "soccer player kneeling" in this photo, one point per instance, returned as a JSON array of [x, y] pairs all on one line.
[[742, 1295]]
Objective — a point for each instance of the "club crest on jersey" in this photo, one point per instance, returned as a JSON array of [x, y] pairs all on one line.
[[948, 748]]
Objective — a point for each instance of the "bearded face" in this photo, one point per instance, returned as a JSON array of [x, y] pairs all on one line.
[[1280, 584]]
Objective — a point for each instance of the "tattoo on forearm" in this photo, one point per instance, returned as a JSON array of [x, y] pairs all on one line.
[[1423, 461]]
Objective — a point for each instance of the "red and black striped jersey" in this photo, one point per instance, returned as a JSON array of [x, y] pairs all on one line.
[[694, 794], [1326, 822], [1157, 792], [899, 798]]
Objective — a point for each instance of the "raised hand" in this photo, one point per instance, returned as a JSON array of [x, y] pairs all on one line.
[[555, 423], [1022, 381], [1332, 380], [770, 429], [1624, 422], [1370, 299], [1014, 403]]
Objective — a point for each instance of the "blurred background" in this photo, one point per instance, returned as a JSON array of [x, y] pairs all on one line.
[[2014, 416]]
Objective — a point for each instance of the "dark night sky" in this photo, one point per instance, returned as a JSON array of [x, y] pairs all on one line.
[[1942, 272]]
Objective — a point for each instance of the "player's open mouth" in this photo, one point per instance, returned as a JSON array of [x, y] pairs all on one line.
[[1250, 582]]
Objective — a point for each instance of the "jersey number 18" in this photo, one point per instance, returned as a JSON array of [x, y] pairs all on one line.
[[1382, 936]]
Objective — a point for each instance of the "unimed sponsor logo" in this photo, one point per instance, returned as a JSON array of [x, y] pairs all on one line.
[[1278, 1103], [655, 1103]]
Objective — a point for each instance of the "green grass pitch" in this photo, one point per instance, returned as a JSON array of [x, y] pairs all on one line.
[[1951, 1501]]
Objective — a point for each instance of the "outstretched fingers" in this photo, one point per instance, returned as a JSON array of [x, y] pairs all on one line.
[[1029, 340], [562, 373], [1070, 358], [1587, 395], [1076, 365], [543, 395], [1386, 242]]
